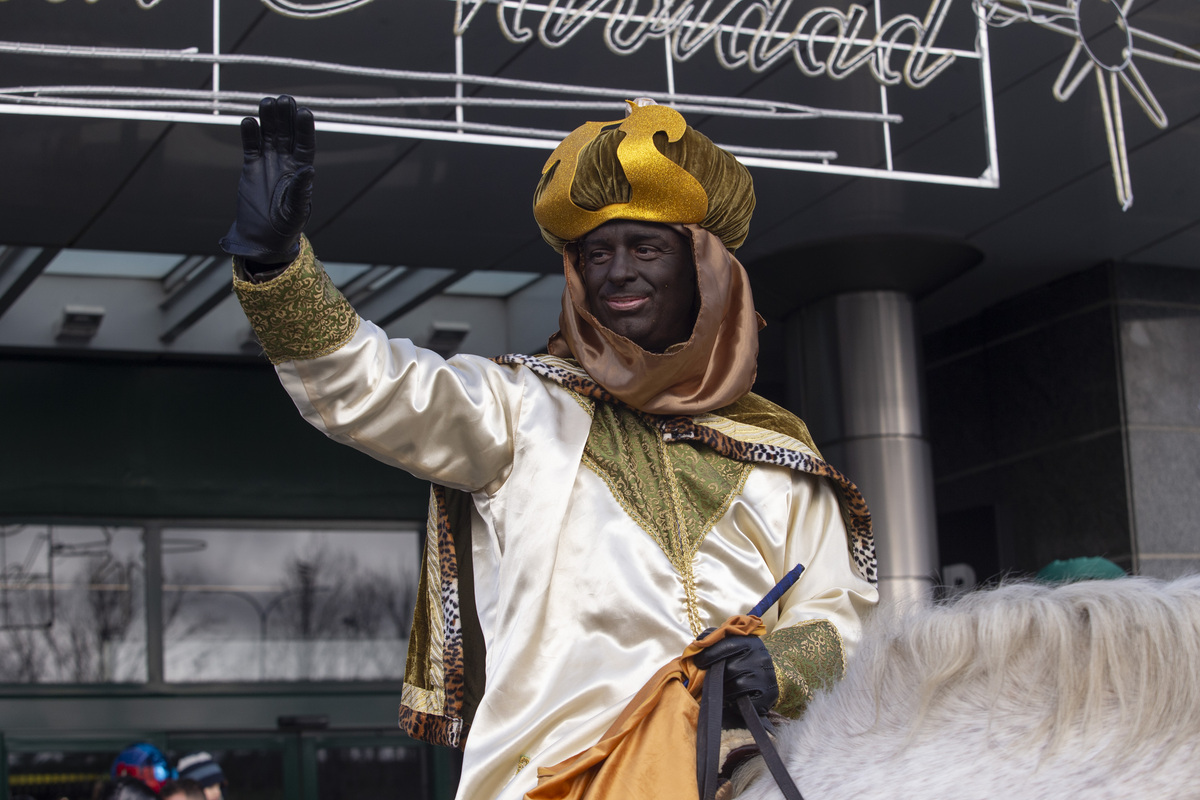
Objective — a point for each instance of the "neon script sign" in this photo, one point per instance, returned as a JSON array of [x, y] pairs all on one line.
[[819, 39], [743, 32], [752, 33]]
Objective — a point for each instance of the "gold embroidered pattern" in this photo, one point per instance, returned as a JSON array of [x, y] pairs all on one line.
[[427, 701], [299, 314], [632, 458], [807, 657], [522, 763], [759, 415]]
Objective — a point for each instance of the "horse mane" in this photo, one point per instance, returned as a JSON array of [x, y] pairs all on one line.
[[1023, 691], [1088, 656]]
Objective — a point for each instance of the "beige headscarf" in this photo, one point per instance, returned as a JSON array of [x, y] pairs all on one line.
[[713, 368], [612, 178]]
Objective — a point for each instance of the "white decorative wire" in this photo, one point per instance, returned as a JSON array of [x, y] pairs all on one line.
[[709, 104], [826, 42], [600, 99], [1064, 19], [747, 33], [311, 10]]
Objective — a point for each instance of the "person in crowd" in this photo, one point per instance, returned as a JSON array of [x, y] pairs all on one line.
[[183, 789], [145, 762], [594, 508], [206, 772], [125, 787]]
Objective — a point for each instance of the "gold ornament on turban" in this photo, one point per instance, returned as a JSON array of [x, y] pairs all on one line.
[[650, 167]]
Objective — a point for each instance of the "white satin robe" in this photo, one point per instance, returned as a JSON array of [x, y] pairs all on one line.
[[578, 605]]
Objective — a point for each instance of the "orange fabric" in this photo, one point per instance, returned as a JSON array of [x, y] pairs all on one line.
[[650, 751]]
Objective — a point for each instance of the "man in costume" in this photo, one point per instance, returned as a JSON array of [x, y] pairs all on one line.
[[595, 508]]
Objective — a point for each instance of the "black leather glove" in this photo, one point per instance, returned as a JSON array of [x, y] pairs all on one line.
[[275, 191], [748, 670]]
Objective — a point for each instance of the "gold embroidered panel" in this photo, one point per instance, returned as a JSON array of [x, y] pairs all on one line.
[[299, 314], [675, 491], [807, 657]]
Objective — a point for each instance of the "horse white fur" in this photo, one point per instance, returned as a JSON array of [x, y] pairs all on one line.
[[1088, 690]]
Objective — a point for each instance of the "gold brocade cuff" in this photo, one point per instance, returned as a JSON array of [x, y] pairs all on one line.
[[299, 314], [807, 657]]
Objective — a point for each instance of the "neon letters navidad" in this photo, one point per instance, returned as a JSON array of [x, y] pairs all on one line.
[[754, 33]]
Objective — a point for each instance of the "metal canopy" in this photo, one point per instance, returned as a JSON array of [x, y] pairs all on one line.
[[442, 210]]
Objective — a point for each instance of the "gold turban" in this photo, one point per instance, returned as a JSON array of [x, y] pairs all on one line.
[[654, 168], [650, 167]]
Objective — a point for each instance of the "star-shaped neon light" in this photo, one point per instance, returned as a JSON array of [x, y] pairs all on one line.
[[1082, 61]]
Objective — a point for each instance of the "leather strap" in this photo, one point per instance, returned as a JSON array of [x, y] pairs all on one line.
[[708, 731], [708, 738], [712, 702], [767, 748]]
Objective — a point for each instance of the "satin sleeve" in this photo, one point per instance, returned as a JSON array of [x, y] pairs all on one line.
[[830, 586], [821, 617], [448, 421]]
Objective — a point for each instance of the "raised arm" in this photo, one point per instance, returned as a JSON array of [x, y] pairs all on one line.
[[450, 422]]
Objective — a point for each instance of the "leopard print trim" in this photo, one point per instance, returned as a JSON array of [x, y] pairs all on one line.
[[452, 647], [752, 433], [728, 442], [433, 728], [566, 373], [434, 712], [300, 314], [807, 657]]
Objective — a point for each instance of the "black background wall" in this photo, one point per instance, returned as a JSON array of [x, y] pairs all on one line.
[[152, 438], [1066, 422]]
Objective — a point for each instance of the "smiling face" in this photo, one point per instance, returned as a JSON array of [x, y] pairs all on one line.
[[641, 282]]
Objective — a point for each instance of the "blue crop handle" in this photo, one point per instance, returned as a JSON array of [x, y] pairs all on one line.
[[773, 596]]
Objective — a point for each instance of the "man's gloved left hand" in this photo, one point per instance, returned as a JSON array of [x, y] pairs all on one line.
[[748, 670]]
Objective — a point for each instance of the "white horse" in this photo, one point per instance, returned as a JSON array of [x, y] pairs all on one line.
[[1088, 690]]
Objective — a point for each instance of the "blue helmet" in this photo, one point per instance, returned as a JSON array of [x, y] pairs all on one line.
[[145, 762]]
